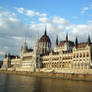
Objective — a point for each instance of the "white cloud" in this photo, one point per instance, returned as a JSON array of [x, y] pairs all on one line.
[[4, 13], [20, 10], [17, 38], [2, 53], [90, 5], [84, 10], [30, 13], [37, 13], [59, 25], [90, 21], [59, 20], [43, 15], [12, 19], [44, 19], [13, 30]]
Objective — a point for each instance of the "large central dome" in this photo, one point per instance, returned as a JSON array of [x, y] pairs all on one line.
[[45, 44], [45, 38]]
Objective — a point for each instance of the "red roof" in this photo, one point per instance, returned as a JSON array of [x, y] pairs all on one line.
[[82, 45], [45, 38], [63, 42]]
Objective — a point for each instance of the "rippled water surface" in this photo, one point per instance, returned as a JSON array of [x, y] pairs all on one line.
[[16, 83]]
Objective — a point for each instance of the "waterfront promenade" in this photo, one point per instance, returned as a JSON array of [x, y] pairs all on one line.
[[68, 76]]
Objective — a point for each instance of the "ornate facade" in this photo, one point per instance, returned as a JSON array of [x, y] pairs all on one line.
[[67, 55]]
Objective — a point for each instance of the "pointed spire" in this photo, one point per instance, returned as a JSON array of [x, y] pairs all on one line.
[[25, 45], [37, 40], [89, 41], [36, 45], [45, 33], [5, 55], [37, 37], [76, 42], [67, 37], [57, 40], [25, 41]]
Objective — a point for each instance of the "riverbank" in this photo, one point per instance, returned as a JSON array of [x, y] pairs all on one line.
[[67, 76]]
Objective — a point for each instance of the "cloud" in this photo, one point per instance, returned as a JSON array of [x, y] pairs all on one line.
[[20, 10], [59, 20], [13, 30], [44, 19], [30, 13], [2, 53], [43, 14], [60, 26], [12, 19], [86, 8]]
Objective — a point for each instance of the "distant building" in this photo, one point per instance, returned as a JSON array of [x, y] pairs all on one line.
[[67, 56]]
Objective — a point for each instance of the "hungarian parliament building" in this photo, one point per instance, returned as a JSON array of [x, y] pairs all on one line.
[[66, 57]]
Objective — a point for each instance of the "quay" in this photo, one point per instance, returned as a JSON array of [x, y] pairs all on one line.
[[66, 76]]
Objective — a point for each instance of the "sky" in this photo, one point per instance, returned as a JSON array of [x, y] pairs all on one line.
[[20, 19]]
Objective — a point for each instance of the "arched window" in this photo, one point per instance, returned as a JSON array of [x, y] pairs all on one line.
[[83, 54], [80, 55], [87, 54], [77, 55]]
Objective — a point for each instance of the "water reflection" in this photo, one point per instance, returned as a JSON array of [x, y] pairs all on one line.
[[15, 83]]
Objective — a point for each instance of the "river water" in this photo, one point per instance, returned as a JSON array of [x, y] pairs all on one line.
[[16, 83]]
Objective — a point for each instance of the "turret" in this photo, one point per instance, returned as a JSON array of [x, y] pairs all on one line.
[[67, 37], [45, 33], [37, 63], [6, 55], [45, 44], [24, 47], [57, 41], [76, 42], [89, 41], [37, 43]]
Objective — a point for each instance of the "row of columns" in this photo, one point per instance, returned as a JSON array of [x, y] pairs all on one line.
[[81, 55], [80, 65], [57, 65]]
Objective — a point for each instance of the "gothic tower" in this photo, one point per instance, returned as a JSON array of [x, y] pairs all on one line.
[[24, 48], [76, 42], [57, 41], [67, 37], [89, 41], [36, 55], [45, 44]]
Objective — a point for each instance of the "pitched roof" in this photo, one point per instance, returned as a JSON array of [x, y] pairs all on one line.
[[30, 50], [45, 38], [63, 42], [13, 56], [82, 45]]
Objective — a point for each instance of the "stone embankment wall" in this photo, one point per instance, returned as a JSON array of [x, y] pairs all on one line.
[[75, 71], [69, 76]]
